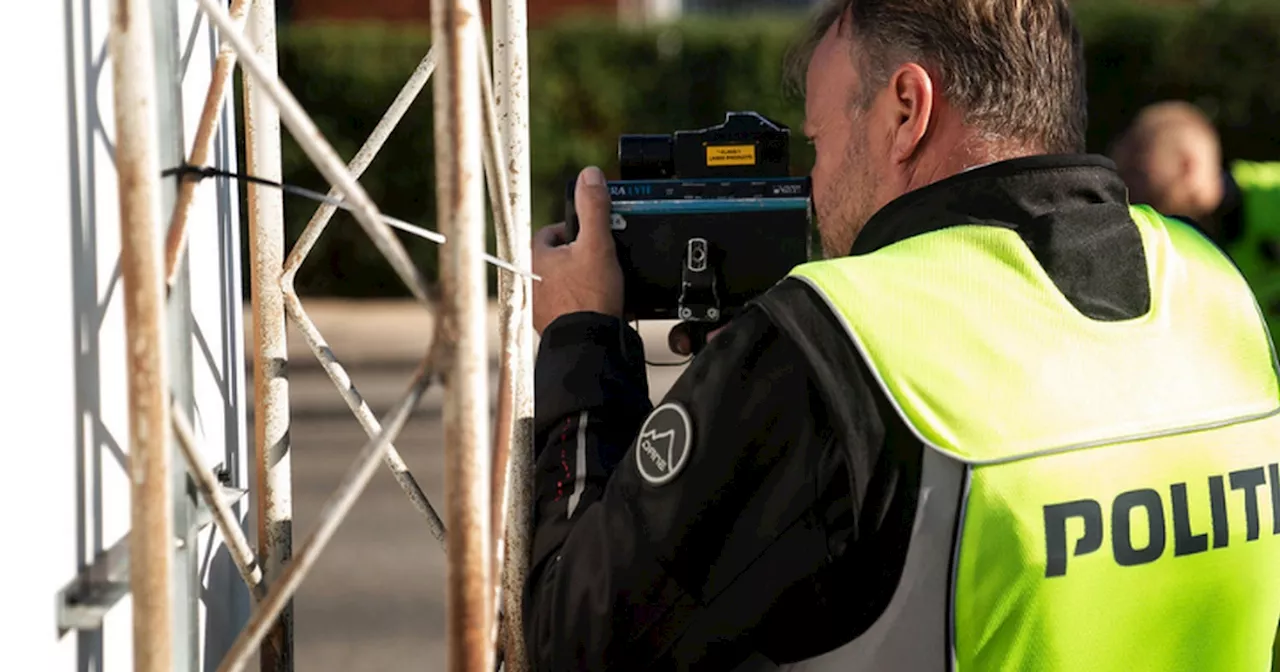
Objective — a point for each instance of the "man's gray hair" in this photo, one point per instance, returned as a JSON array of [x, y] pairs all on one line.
[[1014, 68]]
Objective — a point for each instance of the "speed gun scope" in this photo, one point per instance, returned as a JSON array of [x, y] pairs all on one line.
[[705, 220]]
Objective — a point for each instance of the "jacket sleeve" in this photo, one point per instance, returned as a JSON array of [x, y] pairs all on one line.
[[627, 573]]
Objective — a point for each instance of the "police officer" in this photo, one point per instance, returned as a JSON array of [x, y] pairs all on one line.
[[1171, 159], [984, 433]]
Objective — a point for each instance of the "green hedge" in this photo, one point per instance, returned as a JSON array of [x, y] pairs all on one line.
[[592, 81]]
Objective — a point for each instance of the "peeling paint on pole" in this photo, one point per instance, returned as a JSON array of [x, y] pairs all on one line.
[[151, 535], [511, 84], [460, 209], [271, 355]]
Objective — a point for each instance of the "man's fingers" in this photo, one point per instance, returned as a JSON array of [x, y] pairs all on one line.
[[591, 200]]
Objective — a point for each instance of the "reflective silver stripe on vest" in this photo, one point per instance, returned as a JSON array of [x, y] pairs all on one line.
[[913, 631]]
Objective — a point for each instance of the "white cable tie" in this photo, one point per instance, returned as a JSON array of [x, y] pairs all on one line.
[[433, 236]]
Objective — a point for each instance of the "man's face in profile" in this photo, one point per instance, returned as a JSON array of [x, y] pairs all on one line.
[[844, 177]]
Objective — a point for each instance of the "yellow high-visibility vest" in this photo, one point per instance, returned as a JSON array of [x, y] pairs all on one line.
[[1096, 495]]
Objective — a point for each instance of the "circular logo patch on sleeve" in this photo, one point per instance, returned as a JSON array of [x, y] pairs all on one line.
[[664, 443]]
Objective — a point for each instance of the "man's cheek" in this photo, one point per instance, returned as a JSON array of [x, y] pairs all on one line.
[[819, 178]]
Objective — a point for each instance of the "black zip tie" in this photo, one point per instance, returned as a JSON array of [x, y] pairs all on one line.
[[203, 172]]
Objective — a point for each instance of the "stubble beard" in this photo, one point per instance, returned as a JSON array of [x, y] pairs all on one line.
[[846, 205]]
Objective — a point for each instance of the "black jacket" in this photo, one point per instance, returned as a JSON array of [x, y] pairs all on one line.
[[784, 533]]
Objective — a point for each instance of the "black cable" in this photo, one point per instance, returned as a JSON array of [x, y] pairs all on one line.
[[204, 172]]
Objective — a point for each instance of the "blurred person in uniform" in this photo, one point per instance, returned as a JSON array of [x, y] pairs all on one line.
[[983, 433], [1171, 159]]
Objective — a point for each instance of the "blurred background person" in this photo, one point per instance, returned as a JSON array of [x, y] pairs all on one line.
[[1171, 158]]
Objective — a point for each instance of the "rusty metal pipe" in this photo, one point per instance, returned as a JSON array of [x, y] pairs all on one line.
[[271, 353], [511, 82], [509, 298], [237, 544], [151, 536], [223, 67], [334, 512], [456, 30], [500, 203]]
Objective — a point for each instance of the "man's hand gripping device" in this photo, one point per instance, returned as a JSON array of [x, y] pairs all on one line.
[[705, 220]]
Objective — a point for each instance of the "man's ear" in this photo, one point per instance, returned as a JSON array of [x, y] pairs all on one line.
[[911, 87]]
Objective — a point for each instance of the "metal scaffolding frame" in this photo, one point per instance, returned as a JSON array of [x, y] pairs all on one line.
[[480, 145]]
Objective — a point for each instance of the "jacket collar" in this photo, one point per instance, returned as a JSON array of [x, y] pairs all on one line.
[[1023, 193]]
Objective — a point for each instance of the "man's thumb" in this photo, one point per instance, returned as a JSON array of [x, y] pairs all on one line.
[[591, 200]]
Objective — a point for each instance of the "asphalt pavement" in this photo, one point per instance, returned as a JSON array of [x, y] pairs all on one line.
[[375, 600]]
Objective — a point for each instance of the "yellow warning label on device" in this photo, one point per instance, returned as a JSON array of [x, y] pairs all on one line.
[[731, 155]]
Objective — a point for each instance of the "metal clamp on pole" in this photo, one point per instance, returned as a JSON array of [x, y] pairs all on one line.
[[204, 513], [699, 299], [85, 601]]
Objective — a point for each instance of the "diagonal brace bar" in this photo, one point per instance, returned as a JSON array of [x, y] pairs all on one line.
[[209, 489], [376, 140], [224, 65], [364, 414], [334, 512], [321, 153]]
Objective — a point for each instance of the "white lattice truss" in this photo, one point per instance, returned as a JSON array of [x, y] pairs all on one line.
[[486, 481]]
